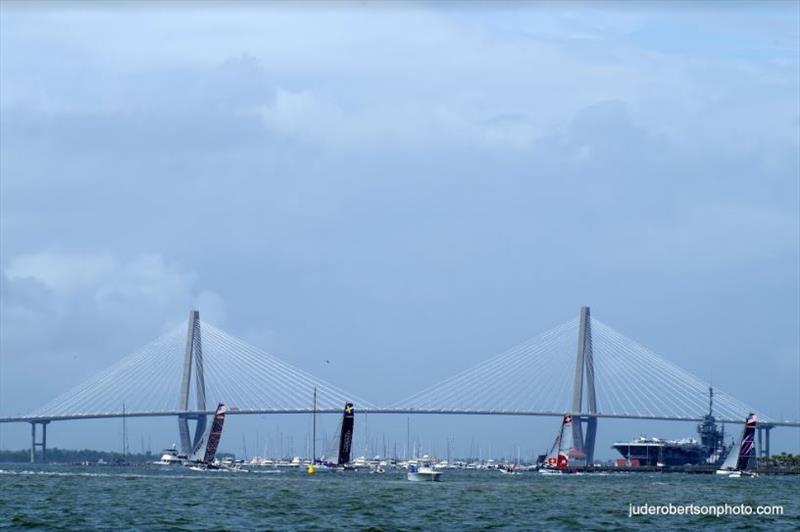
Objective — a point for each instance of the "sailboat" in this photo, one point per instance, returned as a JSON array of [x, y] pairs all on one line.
[[208, 462], [346, 435], [737, 463], [557, 459], [342, 462]]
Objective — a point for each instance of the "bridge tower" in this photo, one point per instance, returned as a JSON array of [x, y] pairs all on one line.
[[192, 356], [584, 373], [43, 444]]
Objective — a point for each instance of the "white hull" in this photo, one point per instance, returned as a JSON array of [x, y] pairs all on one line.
[[735, 474], [547, 471], [550, 472], [424, 476]]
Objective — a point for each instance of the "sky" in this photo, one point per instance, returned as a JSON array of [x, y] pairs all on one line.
[[404, 189]]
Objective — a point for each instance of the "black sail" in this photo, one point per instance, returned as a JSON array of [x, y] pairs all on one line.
[[216, 434], [346, 438], [747, 448]]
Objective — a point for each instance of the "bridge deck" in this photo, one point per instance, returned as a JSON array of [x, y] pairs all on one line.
[[234, 411]]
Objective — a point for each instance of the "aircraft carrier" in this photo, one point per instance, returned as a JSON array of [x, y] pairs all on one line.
[[710, 449]]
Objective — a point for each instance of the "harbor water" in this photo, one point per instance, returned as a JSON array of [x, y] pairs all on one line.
[[158, 498]]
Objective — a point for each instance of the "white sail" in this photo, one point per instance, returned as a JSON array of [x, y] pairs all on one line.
[[733, 455]]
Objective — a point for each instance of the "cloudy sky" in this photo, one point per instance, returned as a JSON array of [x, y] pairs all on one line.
[[404, 189]]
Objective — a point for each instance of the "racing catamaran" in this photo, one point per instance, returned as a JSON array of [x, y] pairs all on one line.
[[209, 462], [741, 458], [557, 461]]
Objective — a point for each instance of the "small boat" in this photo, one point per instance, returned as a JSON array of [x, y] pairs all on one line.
[[740, 458], [422, 472], [557, 458], [508, 469], [171, 457]]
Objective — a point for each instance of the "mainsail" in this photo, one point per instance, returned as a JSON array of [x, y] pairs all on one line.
[[560, 453], [747, 447], [742, 451], [346, 437], [216, 434]]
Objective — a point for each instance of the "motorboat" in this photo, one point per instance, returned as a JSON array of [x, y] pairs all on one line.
[[423, 472], [171, 457]]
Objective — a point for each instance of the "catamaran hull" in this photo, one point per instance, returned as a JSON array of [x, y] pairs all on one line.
[[736, 474], [553, 472]]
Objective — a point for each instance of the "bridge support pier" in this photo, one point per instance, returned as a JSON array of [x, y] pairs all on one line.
[[42, 444], [584, 371], [763, 440], [193, 356], [760, 442]]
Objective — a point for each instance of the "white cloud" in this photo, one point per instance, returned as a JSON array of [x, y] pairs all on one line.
[[56, 292]]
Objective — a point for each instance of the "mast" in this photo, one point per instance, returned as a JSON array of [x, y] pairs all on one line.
[[710, 401], [408, 437], [124, 435], [314, 430]]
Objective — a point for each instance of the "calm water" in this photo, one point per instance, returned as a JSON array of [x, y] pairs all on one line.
[[80, 498]]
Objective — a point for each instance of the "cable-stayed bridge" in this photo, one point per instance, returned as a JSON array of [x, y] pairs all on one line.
[[582, 367]]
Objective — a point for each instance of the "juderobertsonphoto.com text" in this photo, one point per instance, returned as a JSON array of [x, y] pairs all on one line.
[[717, 510]]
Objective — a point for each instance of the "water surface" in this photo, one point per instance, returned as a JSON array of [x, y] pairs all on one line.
[[158, 498]]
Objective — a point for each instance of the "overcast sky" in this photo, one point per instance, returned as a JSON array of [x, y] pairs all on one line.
[[402, 189]]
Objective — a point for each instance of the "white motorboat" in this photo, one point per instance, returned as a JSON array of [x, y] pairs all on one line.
[[422, 473], [509, 470], [361, 463], [171, 457]]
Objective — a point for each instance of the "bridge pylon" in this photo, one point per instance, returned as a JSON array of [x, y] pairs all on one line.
[[42, 444], [584, 373], [193, 357]]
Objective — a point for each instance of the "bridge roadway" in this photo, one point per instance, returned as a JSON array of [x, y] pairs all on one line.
[[237, 411]]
